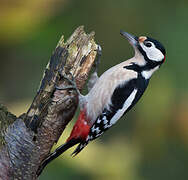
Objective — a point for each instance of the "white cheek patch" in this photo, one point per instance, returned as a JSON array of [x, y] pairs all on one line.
[[152, 52]]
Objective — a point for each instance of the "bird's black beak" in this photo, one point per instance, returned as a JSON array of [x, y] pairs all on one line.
[[133, 40]]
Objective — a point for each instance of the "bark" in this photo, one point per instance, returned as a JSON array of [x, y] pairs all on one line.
[[26, 140]]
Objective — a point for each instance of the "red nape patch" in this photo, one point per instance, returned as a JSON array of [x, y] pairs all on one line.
[[164, 59], [81, 128]]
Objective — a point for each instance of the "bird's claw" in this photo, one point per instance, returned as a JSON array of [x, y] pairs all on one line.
[[71, 81], [98, 57]]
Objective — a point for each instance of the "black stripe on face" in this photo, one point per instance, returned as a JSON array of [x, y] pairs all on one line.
[[158, 45], [150, 63], [135, 67]]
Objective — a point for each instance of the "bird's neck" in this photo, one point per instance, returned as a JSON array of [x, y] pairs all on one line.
[[148, 72], [145, 67]]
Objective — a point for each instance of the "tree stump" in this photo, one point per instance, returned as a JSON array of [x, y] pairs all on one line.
[[26, 140]]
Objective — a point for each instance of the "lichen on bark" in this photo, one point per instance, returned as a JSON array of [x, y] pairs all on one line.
[[26, 141]]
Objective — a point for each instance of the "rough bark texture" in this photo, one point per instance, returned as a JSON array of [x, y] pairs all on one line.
[[26, 140]]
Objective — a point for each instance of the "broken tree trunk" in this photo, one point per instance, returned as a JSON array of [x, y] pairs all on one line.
[[26, 140]]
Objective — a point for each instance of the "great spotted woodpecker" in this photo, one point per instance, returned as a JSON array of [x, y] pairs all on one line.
[[113, 94]]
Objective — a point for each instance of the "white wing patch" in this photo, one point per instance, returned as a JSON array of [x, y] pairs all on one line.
[[126, 105]]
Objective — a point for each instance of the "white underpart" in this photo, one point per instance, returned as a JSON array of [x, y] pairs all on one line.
[[152, 52], [126, 105], [147, 74]]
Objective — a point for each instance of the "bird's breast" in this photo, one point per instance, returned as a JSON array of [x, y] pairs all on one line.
[[100, 95]]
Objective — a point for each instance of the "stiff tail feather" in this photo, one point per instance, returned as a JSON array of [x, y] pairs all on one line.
[[79, 148], [61, 149]]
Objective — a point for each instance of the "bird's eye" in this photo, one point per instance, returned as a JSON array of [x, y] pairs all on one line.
[[147, 44]]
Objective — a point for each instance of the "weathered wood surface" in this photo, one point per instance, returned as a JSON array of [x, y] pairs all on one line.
[[26, 140]]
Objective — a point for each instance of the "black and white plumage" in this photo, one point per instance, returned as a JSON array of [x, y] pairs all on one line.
[[124, 97], [114, 93]]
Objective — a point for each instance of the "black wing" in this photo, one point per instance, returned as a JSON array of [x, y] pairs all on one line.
[[120, 95]]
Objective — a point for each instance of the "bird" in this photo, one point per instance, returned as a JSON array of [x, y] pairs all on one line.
[[113, 94]]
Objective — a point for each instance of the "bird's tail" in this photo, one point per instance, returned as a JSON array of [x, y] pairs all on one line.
[[79, 148], [61, 149]]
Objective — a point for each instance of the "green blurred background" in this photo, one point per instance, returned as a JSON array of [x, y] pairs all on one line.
[[151, 142]]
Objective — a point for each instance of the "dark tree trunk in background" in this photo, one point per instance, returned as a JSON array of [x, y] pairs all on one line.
[[26, 140]]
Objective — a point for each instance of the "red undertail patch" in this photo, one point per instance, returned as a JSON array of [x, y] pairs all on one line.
[[81, 127]]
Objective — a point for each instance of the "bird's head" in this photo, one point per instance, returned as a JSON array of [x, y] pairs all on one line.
[[152, 50]]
